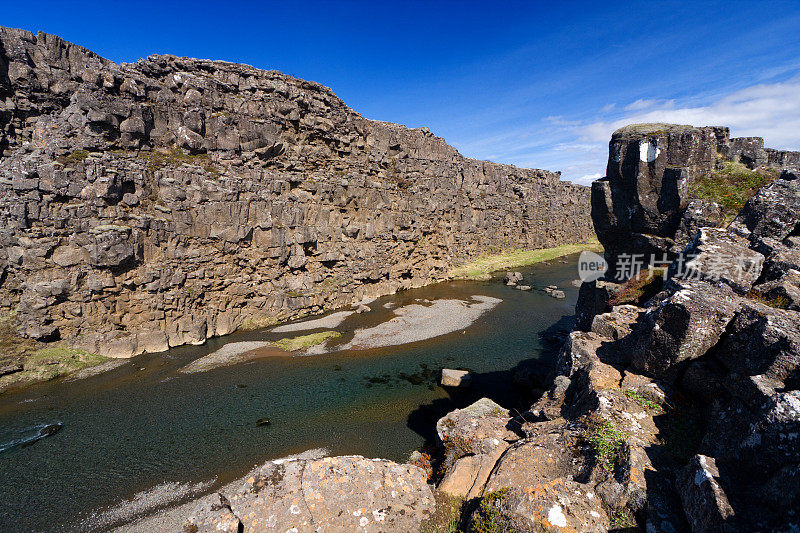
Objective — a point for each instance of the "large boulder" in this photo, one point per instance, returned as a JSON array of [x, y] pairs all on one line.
[[347, 493], [717, 255], [681, 328], [476, 429], [698, 214], [593, 299], [473, 438], [533, 488], [781, 256], [785, 290], [763, 341], [774, 211], [704, 500]]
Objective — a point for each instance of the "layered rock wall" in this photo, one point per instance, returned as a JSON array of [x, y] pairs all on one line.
[[643, 205], [159, 203]]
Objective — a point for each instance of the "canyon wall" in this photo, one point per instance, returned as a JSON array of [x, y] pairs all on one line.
[[154, 204]]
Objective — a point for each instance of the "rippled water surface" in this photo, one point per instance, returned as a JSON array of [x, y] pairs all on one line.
[[144, 423]]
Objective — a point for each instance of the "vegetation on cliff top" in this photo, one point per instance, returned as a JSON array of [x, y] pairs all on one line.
[[482, 267], [732, 186]]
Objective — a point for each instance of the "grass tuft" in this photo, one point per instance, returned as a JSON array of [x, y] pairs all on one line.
[[78, 156], [639, 288], [641, 400], [487, 517], [446, 517], [606, 442]]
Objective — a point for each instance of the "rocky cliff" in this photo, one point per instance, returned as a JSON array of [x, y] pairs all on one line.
[[645, 205], [159, 203]]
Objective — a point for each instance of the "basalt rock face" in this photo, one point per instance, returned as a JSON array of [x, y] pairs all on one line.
[[642, 206], [678, 413], [159, 203]]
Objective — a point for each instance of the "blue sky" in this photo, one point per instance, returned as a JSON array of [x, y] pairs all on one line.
[[529, 83]]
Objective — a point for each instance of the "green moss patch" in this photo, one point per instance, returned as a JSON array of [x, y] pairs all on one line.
[[305, 342], [732, 186]]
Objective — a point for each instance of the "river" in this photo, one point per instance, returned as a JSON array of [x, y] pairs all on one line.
[[144, 423]]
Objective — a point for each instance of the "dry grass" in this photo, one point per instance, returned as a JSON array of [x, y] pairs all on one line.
[[640, 288], [483, 267]]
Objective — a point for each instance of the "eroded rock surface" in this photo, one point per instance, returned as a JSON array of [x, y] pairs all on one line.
[[348, 493], [162, 202]]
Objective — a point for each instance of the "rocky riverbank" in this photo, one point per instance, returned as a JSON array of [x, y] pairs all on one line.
[[674, 406]]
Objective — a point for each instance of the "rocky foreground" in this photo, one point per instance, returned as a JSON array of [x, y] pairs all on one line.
[[674, 406]]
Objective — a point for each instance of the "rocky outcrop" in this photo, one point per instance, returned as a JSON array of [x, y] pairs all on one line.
[[677, 413], [643, 204], [347, 493], [159, 203]]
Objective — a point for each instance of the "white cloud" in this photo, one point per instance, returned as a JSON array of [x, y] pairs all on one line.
[[771, 111], [587, 179], [560, 121], [579, 148], [641, 104], [608, 107]]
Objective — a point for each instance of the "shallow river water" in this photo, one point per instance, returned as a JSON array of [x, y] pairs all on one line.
[[145, 423]]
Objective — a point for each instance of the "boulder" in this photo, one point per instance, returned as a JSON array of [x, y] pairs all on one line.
[[533, 488], [511, 278], [456, 378], [681, 328], [698, 214], [784, 291], [704, 501], [617, 323], [348, 493], [774, 211], [478, 429], [763, 341], [593, 298], [715, 255], [780, 256]]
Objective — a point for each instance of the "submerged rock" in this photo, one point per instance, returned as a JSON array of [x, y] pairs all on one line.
[[456, 378]]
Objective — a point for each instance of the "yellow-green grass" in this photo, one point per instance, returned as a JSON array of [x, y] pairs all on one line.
[[305, 342], [732, 185], [40, 362], [483, 267]]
